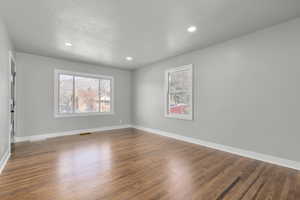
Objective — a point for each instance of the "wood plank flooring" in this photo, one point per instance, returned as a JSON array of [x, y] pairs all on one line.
[[133, 165]]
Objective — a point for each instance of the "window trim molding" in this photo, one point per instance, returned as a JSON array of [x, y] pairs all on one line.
[[178, 116], [87, 75]]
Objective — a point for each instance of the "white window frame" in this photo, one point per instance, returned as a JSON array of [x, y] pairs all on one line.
[[57, 72], [178, 116]]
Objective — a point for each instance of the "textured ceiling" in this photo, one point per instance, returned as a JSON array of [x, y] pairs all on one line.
[[104, 32]]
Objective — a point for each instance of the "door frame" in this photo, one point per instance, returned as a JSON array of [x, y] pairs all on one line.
[[11, 58]]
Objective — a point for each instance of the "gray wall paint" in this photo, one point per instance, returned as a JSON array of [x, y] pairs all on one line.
[[246, 93], [35, 100], [5, 47]]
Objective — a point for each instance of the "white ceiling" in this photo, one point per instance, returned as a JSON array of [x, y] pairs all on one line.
[[104, 32]]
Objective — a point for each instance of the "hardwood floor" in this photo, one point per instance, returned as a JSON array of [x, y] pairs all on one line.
[[134, 165]]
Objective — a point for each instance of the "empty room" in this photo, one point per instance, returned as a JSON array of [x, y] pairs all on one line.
[[149, 100]]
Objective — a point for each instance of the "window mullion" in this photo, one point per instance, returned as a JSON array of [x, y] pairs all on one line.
[[168, 93], [111, 106], [58, 89], [99, 94], [73, 94]]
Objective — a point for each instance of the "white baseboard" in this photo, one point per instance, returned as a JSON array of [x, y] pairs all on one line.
[[4, 160], [250, 154], [65, 133], [229, 149]]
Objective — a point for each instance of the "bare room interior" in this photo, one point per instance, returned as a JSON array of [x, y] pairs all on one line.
[[149, 100]]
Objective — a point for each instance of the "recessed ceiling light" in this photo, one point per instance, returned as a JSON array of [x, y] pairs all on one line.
[[68, 44], [129, 58], [192, 29]]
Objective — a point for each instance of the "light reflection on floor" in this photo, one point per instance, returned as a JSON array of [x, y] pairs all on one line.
[[73, 166], [179, 176]]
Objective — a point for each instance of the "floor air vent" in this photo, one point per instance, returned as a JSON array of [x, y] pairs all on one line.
[[85, 134]]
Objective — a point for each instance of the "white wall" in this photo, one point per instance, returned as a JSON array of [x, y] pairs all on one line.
[[5, 47], [35, 100], [246, 93]]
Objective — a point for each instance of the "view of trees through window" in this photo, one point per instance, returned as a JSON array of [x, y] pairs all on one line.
[[65, 94], [180, 92], [105, 91], [79, 94], [86, 95]]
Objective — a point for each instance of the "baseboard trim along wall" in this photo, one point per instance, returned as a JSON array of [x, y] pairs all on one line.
[[245, 153], [229, 149], [4, 160], [65, 133]]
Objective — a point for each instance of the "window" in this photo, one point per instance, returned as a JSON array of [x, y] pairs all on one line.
[[78, 94], [179, 92]]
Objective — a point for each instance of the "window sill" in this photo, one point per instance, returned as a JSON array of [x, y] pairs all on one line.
[[188, 117], [81, 115]]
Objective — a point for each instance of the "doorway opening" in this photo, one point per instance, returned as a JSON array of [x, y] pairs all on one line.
[[12, 99]]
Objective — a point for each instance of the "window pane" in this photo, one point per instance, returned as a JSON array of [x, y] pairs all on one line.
[[105, 95], [86, 95], [180, 92], [65, 93]]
